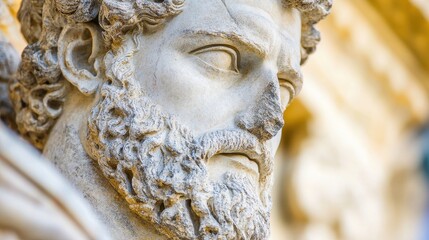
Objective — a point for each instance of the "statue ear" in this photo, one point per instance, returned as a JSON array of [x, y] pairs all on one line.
[[80, 52]]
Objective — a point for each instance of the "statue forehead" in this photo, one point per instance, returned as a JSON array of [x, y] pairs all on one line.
[[267, 5], [224, 11], [260, 22]]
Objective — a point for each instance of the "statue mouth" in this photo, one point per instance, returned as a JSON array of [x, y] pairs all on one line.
[[242, 160], [233, 162], [236, 151]]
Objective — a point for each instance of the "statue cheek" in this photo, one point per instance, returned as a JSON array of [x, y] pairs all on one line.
[[175, 81]]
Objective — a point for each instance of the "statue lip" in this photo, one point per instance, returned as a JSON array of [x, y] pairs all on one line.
[[233, 162], [251, 159], [242, 159], [251, 152]]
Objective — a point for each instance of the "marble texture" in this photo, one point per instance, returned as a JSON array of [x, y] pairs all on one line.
[[166, 115]]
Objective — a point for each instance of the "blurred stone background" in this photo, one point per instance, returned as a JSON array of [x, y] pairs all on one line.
[[351, 164], [355, 150]]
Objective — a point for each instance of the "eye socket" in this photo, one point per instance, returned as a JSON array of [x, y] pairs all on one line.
[[221, 57]]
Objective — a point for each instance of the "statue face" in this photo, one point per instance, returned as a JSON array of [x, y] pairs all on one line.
[[187, 122], [225, 65], [184, 100], [213, 63], [186, 119]]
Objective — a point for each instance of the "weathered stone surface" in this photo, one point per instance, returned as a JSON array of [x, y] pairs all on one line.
[[175, 104]]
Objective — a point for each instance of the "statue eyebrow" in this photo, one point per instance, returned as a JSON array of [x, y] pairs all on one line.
[[235, 37]]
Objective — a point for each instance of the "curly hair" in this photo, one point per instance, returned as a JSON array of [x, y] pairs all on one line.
[[39, 90]]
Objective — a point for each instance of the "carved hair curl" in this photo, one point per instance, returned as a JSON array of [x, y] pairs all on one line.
[[39, 91], [312, 11]]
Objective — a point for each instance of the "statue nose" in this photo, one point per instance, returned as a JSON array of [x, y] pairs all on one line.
[[265, 118]]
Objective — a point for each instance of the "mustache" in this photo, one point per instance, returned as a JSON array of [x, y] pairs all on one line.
[[237, 142]]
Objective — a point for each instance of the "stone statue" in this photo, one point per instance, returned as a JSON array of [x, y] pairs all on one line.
[[165, 114]]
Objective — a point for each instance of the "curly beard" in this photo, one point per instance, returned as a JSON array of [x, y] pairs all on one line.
[[160, 167]]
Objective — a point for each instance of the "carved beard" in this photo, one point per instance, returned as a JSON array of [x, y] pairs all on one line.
[[159, 167]]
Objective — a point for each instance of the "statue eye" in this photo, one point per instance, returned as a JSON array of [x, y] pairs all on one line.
[[220, 57]]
